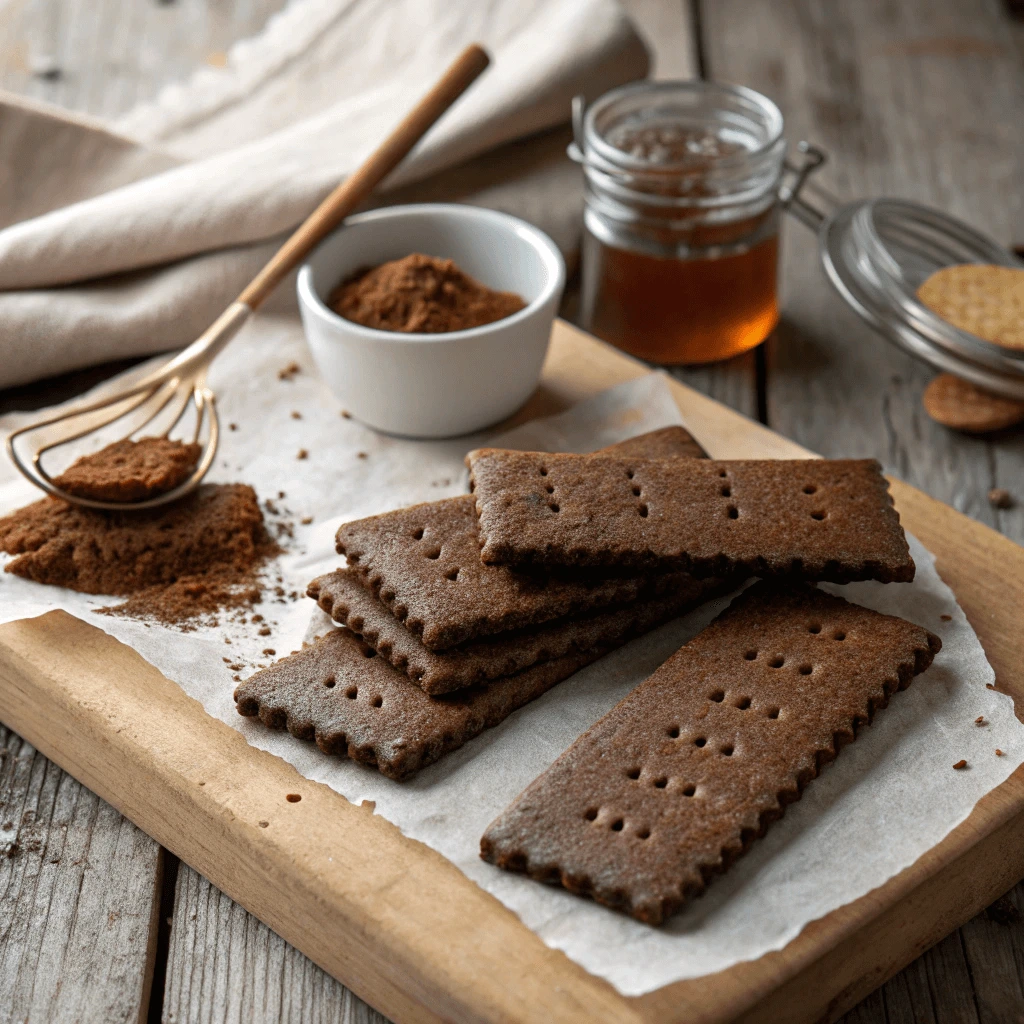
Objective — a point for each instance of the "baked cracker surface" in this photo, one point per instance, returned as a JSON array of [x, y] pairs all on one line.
[[681, 776], [817, 519], [342, 595], [423, 563], [352, 703]]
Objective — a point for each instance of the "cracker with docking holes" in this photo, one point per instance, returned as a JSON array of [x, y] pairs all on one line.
[[343, 596], [985, 300], [423, 563], [352, 703], [816, 519], [681, 776]]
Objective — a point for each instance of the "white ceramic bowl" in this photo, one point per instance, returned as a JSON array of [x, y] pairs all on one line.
[[434, 385]]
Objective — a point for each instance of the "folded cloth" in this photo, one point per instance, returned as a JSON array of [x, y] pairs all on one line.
[[128, 239]]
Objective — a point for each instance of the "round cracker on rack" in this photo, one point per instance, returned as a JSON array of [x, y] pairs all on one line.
[[987, 301]]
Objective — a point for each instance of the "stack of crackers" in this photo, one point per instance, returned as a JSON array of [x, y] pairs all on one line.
[[458, 612]]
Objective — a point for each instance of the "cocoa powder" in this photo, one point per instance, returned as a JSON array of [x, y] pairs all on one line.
[[420, 295], [129, 471], [175, 563]]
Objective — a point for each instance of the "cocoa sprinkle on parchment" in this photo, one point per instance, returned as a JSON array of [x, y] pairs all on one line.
[[179, 564]]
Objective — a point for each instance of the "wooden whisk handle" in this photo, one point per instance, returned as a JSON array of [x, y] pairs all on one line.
[[354, 189]]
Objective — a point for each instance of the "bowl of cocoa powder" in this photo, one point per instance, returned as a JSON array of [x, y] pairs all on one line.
[[431, 320]]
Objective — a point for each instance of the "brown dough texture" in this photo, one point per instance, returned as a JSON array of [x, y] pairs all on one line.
[[342, 595], [816, 519], [352, 703], [423, 563], [681, 776]]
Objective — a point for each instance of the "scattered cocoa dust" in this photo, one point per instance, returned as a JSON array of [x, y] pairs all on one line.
[[420, 294], [130, 470], [175, 564]]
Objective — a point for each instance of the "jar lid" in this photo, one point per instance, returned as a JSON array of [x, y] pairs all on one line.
[[877, 253]]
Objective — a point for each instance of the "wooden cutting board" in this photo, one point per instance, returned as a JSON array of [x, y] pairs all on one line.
[[399, 924]]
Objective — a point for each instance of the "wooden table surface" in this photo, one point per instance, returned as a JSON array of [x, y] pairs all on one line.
[[922, 99]]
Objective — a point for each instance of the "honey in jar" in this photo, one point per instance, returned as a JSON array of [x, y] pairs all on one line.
[[680, 248]]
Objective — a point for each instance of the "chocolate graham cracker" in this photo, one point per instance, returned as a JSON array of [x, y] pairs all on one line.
[[680, 777], [815, 518], [423, 562], [343, 596], [352, 703]]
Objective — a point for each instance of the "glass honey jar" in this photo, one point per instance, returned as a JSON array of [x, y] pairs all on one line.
[[681, 220]]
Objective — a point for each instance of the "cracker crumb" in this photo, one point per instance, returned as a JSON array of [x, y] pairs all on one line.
[[960, 764], [980, 720], [227, 639], [306, 520], [263, 824], [999, 753], [289, 371], [296, 415], [303, 454], [345, 414], [362, 455], [1000, 497], [232, 426], [946, 618], [269, 651], [265, 631]]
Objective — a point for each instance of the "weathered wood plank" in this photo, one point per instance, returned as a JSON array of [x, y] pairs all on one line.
[[79, 891], [917, 100], [225, 967], [921, 100], [993, 944]]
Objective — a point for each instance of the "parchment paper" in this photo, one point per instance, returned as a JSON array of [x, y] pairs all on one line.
[[888, 798]]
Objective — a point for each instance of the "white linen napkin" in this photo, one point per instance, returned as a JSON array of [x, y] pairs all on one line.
[[129, 239]]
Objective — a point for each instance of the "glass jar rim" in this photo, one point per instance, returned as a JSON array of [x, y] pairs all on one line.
[[756, 101], [856, 251]]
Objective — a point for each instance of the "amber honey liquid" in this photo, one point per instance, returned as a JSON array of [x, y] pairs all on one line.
[[671, 310]]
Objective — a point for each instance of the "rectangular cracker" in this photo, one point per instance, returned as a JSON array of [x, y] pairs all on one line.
[[423, 563], [342, 595], [681, 776], [352, 703], [814, 518]]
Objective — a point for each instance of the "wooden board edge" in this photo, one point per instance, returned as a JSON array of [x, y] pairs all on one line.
[[390, 918], [390, 965]]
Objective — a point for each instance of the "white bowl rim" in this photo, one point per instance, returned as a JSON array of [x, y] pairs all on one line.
[[541, 242]]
